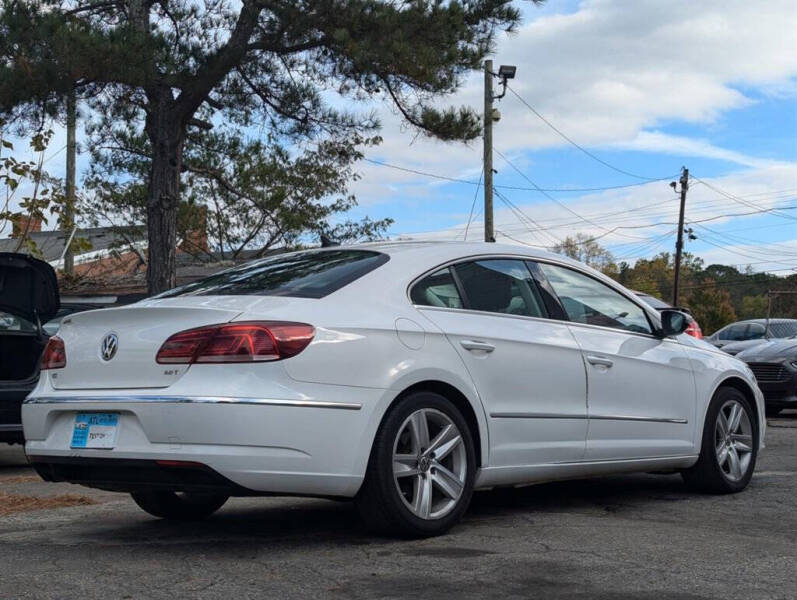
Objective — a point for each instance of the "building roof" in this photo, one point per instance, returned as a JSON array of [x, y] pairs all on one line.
[[50, 244]]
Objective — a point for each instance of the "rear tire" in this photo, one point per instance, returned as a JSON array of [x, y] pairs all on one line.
[[420, 474], [179, 506], [729, 446]]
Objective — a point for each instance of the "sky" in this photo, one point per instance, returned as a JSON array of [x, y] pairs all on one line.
[[649, 87], [643, 89]]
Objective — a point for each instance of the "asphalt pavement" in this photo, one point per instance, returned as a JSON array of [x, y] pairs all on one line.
[[632, 537]]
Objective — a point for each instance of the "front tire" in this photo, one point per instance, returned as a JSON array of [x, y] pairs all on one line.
[[180, 506], [729, 448], [421, 470]]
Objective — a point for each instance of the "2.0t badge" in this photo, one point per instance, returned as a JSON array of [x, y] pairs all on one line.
[[108, 347]]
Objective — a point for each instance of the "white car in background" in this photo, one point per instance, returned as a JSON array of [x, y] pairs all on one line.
[[403, 375]]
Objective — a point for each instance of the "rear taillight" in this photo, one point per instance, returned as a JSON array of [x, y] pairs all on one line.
[[694, 330], [54, 356], [247, 341]]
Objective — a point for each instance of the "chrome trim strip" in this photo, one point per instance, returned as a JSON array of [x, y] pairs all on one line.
[[519, 415], [193, 400], [635, 418], [11, 427]]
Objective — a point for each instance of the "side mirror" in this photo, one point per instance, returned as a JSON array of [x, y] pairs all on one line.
[[673, 322]]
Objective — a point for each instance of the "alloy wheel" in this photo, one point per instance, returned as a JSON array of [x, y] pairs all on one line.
[[733, 440], [429, 463]]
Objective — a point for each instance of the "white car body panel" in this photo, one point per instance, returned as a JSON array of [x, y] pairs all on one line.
[[306, 425]]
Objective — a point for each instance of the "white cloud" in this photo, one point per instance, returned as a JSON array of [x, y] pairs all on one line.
[[609, 74]]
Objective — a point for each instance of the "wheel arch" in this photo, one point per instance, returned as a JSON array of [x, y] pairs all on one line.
[[460, 400], [744, 388]]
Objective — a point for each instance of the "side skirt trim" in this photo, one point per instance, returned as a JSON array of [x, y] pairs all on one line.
[[523, 415]]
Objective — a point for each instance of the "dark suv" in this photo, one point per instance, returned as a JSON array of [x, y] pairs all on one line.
[[28, 299]]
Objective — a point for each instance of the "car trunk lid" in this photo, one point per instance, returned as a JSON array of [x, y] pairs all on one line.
[[28, 288], [116, 348]]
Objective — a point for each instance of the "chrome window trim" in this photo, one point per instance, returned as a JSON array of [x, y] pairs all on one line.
[[531, 415], [611, 284], [191, 400]]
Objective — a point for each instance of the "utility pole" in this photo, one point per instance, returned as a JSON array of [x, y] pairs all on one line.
[[679, 245], [68, 223], [489, 232], [505, 72]]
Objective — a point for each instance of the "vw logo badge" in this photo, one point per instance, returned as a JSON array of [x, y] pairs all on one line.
[[109, 345]]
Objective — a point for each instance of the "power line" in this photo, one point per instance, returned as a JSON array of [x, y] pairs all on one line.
[[579, 146], [742, 201], [505, 187], [473, 205], [551, 198], [521, 215]]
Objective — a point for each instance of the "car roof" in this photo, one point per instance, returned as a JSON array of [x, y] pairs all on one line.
[[446, 250]]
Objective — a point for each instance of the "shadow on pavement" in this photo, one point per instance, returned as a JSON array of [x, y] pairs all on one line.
[[303, 521]]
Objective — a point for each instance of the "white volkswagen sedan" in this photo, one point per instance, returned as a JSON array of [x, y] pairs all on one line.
[[402, 375]]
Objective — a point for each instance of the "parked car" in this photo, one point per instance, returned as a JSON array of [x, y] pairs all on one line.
[[30, 312], [694, 327], [403, 375], [28, 298], [774, 363], [739, 336]]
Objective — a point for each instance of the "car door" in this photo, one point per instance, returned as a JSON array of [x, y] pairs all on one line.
[[527, 368], [641, 392]]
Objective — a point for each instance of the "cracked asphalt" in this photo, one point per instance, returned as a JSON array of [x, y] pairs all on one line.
[[634, 537]]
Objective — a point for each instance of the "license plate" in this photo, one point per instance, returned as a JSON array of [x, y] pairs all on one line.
[[95, 430]]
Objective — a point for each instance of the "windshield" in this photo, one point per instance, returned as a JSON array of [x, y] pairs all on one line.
[[310, 274]]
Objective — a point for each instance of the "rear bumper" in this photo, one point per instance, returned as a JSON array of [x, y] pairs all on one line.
[[129, 475], [304, 446]]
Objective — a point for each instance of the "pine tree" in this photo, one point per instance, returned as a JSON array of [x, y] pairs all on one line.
[[180, 65]]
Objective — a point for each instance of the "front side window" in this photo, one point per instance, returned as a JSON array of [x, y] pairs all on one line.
[[756, 331], [311, 274], [437, 289], [736, 333], [587, 300], [500, 286]]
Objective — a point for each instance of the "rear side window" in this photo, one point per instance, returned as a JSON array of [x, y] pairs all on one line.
[[311, 274], [437, 289], [500, 286], [783, 329]]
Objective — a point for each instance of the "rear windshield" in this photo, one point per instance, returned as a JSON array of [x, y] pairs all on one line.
[[310, 274]]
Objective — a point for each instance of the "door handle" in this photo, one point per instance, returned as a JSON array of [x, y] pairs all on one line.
[[477, 345], [599, 361]]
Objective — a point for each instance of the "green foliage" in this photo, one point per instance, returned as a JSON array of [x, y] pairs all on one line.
[[585, 249], [753, 307], [711, 306], [41, 191], [158, 71], [716, 294], [253, 194]]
